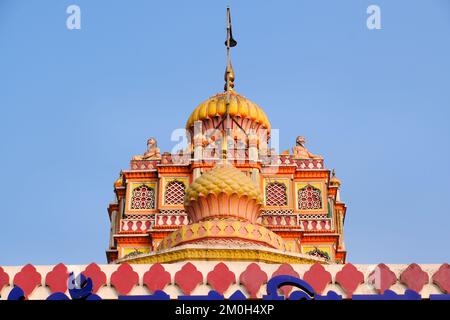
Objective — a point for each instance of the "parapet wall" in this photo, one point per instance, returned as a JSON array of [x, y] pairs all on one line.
[[199, 278]]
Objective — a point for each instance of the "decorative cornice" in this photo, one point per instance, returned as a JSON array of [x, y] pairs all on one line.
[[322, 174], [203, 254], [112, 207], [174, 169], [140, 174], [133, 239], [277, 169], [319, 237]]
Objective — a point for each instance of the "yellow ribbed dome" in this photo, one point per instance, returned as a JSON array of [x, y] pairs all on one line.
[[239, 107], [119, 182], [224, 178]]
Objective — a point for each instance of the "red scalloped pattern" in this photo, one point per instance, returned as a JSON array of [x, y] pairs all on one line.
[[286, 270], [156, 278], [188, 278], [349, 278], [28, 279], [414, 278], [252, 279], [124, 279], [221, 278], [4, 279], [318, 278], [97, 276], [57, 279], [442, 278], [382, 278]]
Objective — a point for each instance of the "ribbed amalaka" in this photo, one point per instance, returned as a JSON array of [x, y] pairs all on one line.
[[223, 192]]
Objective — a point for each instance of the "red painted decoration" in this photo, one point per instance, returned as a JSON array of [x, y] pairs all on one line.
[[124, 279], [442, 278], [252, 279], [4, 279], [57, 279], [349, 278], [318, 278], [221, 278], [28, 279], [382, 278], [414, 278], [188, 278], [157, 278], [97, 276], [286, 270]]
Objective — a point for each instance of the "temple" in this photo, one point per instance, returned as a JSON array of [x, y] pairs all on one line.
[[227, 196], [226, 217]]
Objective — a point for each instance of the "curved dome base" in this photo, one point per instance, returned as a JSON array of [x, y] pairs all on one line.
[[222, 231]]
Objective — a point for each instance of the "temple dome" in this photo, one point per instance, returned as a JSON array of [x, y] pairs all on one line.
[[241, 108], [224, 191], [119, 182]]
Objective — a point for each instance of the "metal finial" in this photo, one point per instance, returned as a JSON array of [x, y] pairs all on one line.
[[229, 78]]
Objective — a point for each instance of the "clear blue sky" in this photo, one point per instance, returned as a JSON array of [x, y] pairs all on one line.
[[76, 105]]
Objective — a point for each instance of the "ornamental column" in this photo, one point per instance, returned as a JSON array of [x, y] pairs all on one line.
[[253, 147], [113, 229], [198, 148], [253, 155]]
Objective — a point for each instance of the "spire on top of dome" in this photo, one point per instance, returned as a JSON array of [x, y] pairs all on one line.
[[229, 82], [229, 110], [229, 43]]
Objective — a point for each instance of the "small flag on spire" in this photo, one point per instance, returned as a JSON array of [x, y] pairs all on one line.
[[230, 42]]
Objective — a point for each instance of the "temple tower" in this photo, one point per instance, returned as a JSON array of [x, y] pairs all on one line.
[[167, 201]]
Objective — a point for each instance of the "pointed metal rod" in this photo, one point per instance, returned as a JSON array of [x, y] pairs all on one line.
[[228, 101]]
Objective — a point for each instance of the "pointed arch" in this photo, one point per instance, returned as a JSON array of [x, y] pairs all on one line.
[[143, 198]]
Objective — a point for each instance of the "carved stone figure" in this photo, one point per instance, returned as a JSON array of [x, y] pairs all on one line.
[[152, 153], [166, 158], [300, 151]]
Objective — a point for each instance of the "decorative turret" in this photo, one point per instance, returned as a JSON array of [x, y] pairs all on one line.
[[334, 181], [119, 182]]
